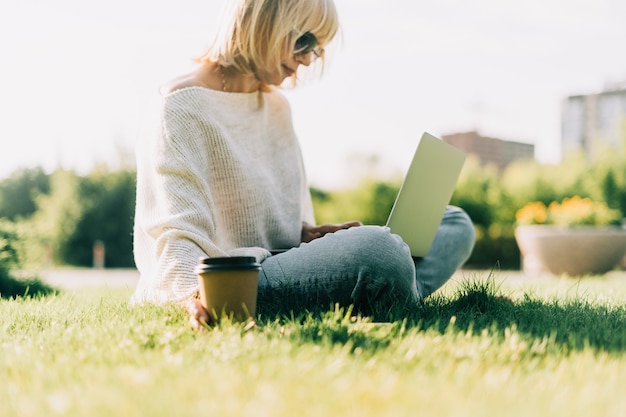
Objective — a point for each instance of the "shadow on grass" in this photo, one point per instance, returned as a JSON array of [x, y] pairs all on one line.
[[574, 324], [11, 287]]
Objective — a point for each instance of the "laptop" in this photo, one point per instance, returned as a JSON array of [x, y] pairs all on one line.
[[425, 193]]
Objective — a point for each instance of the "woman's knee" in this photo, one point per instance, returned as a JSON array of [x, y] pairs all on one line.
[[458, 227], [386, 270], [382, 255]]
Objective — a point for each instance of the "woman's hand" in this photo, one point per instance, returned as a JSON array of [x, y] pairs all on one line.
[[198, 317], [310, 233]]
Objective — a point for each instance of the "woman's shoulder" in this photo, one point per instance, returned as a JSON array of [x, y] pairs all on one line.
[[277, 102], [177, 84], [187, 94], [275, 98], [192, 79]]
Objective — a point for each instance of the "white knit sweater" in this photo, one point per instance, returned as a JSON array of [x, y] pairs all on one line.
[[223, 176]]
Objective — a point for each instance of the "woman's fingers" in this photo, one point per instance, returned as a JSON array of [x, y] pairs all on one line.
[[310, 233], [198, 317]]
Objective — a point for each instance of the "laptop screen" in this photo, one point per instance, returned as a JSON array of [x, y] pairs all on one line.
[[425, 193]]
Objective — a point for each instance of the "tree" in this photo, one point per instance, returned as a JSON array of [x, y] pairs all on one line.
[[57, 216], [107, 199], [19, 192], [82, 210]]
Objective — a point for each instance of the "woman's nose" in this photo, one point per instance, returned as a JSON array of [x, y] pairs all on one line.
[[306, 59]]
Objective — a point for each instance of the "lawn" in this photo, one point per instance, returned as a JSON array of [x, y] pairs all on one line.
[[482, 347]]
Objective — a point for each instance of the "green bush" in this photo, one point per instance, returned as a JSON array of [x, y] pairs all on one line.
[[10, 285], [9, 258], [495, 249]]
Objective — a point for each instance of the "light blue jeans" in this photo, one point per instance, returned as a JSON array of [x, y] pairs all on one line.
[[366, 265]]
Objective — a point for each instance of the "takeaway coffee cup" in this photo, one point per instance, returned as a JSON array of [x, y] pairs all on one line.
[[229, 286]]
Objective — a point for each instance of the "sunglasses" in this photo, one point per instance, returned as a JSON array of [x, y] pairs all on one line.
[[306, 44]]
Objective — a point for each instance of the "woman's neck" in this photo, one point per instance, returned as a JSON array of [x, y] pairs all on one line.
[[218, 77]]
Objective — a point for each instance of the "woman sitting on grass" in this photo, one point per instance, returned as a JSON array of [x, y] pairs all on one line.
[[223, 176]]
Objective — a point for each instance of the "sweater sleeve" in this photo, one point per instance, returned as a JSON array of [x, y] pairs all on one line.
[[308, 214], [177, 208]]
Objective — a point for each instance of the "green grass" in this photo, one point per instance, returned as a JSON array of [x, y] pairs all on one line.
[[480, 348]]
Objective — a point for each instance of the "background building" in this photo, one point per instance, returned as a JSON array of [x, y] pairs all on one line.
[[593, 119], [490, 150]]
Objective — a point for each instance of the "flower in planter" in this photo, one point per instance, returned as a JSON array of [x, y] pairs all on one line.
[[573, 211]]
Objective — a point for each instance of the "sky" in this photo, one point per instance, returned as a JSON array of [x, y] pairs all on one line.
[[79, 78]]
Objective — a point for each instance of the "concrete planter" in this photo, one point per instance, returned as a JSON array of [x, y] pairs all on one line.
[[575, 251]]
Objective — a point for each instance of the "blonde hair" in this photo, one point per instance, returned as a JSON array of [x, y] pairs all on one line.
[[254, 34]]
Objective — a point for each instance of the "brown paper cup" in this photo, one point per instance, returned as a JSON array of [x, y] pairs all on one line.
[[228, 286]]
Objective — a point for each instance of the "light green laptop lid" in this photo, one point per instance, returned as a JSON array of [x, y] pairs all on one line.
[[425, 193]]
